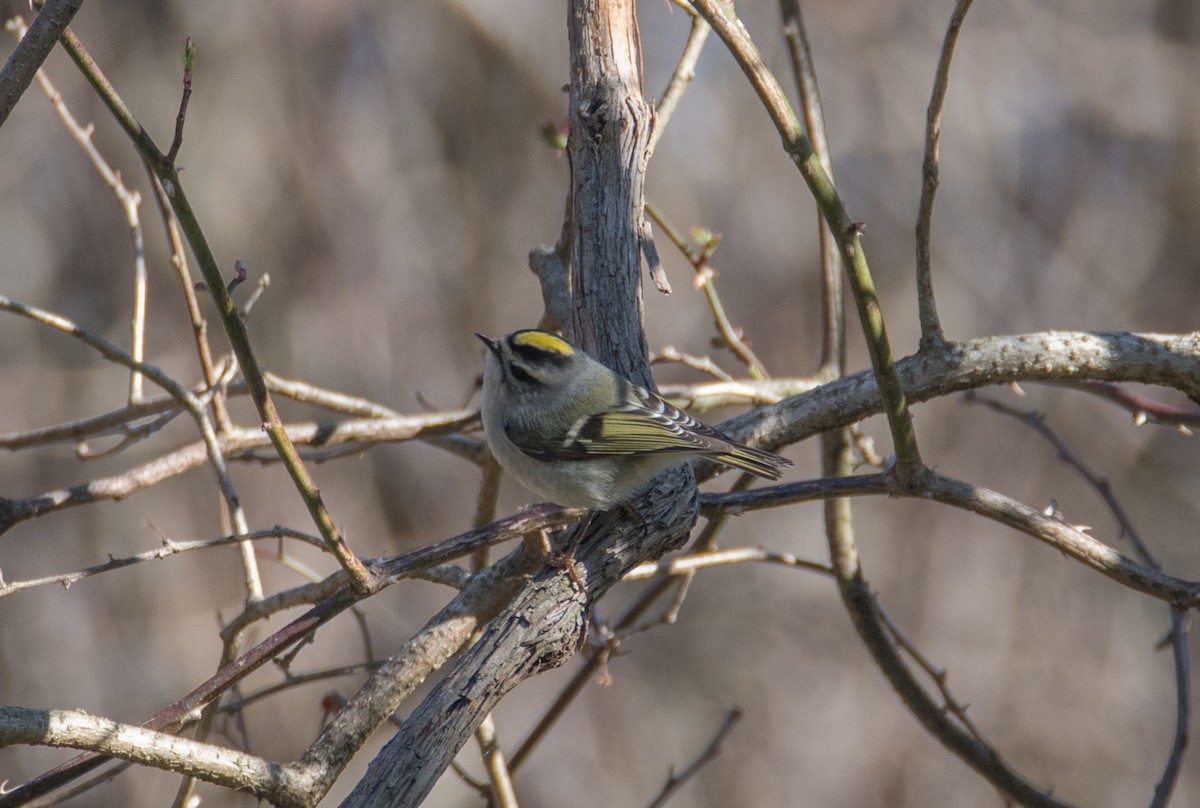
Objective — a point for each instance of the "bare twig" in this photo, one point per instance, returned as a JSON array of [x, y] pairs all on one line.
[[130, 202], [865, 613], [847, 232], [486, 736], [236, 445], [189, 62], [939, 675], [713, 395], [1143, 409], [685, 71], [446, 633], [1060, 535], [694, 562], [550, 264], [168, 548], [1171, 360], [677, 781], [333, 400], [179, 261], [675, 575], [1178, 632], [500, 778], [212, 448], [704, 364], [833, 318], [698, 258], [294, 680], [117, 421], [120, 420], [411, 564], [931, 327], [78, 730], [234, 326], [172, 717]]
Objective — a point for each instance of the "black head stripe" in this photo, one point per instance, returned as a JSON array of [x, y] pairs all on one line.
[[537, 347]]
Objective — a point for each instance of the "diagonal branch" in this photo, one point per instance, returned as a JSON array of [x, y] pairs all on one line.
[[1178, 634], [989, 504], [32, 50], [231, 318], [846, 232]]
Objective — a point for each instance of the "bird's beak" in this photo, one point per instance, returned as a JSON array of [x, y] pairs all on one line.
[[493, 345]]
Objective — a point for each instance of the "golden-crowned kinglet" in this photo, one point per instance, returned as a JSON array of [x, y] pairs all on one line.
[[573, 431]]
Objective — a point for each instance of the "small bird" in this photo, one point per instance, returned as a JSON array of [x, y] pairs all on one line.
[[576, 433]]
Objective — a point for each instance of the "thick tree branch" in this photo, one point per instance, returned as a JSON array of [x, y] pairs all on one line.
[[1168, 360], [78, 730]]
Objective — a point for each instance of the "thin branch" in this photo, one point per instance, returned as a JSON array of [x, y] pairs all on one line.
[[234, 326], [662, 582], [501, 790], [1066, 538], [939, 675], [838, 460], [1183, 710], [189, 63], [694, 562], [1037, 422], [705, 396], [710, 753], [236, 445], [102, 777], [703, 364], [486, 735], [833, 318], [1144, 410], [199, 324], [137, 322], [698, 258], [167, 549], [551, 264], [931, 327], [411, 564], [193, 405], [130, 202], [172, 717], [119, 421], [685, 71], [1178, 633], [1171, 360], [308, 393]]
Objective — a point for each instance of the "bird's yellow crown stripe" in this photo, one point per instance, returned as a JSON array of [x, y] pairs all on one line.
[[542, 341]]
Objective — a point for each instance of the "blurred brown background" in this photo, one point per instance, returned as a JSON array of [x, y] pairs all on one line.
[[381, 161]]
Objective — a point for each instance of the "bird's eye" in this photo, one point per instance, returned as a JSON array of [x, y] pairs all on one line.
[[521, 374]]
